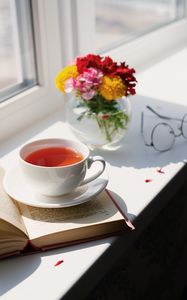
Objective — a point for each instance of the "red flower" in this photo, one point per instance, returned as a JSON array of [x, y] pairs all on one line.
[[108, 66], [88, 61], [127, 76]]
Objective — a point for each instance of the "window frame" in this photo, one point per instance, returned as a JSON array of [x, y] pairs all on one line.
[[62, 31], [35, 103]]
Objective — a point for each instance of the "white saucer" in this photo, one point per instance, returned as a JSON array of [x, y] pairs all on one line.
[[16, 187]]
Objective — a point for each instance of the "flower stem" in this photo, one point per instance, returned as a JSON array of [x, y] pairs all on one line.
[[104, 128], [107, 134]]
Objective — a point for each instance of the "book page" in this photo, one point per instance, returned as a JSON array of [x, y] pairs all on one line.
[[44, 221], [9, 211]]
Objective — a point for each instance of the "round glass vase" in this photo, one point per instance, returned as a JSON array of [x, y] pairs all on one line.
[[98, 130]]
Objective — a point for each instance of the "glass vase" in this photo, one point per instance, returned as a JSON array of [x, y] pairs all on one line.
[[98, 130]]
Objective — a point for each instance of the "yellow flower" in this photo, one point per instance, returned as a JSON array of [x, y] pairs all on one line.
[[66, 73], [112, 88]]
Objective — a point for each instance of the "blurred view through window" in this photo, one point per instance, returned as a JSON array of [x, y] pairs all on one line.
[[119, 21], [17, 61]]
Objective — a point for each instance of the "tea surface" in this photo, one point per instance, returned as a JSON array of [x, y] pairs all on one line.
[[54, 157]]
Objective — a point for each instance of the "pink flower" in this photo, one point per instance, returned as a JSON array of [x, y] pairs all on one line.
[[89, 95], [69, 85], [87, 83]]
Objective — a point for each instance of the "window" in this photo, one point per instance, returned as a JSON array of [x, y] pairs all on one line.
[[120, 21], [149, 28], [17, 57]]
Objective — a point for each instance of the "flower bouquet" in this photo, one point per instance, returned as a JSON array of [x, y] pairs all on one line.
[[99, 84]]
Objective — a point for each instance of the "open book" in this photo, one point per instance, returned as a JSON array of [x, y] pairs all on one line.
[[26, 228]]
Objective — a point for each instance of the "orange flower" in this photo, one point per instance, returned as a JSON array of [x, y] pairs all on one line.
[[112, 88]]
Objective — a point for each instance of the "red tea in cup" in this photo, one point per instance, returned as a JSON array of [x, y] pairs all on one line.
[[54, 157], [56, 167]]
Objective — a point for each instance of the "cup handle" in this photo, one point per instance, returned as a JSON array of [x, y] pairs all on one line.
[[90, 161]]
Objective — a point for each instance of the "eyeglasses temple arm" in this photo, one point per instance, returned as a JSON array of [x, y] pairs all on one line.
[[161, 116], [142, 120], [141, 129]]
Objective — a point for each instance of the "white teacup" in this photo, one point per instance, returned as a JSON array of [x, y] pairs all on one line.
[[58, 180]]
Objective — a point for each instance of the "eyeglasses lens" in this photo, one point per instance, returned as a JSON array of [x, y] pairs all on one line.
[[184, 126], [163, 137]]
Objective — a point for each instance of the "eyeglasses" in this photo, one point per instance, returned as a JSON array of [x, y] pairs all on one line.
[[162, 134]]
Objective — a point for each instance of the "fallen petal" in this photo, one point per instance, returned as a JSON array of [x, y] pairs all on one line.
[[160, 171], [148, 180], [59, 262]]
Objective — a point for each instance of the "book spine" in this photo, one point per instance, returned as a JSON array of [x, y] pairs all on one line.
[[30, 248]]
